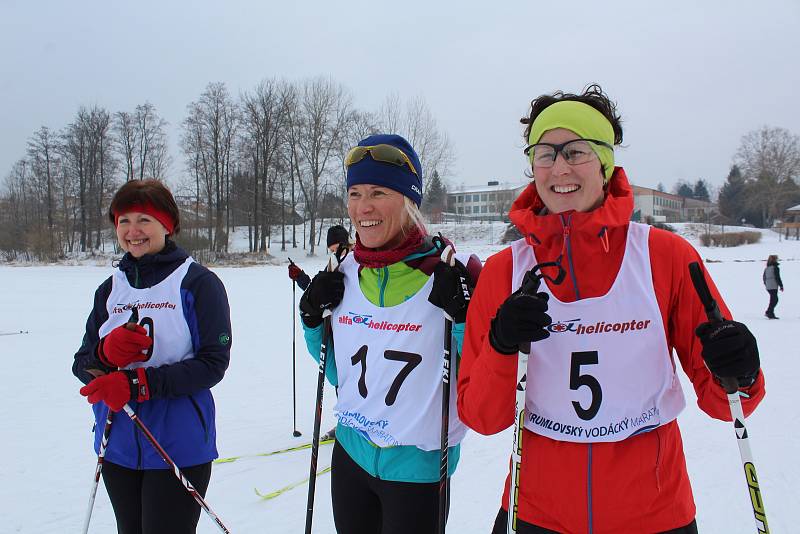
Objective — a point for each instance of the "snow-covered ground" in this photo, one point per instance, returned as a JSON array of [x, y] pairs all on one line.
[[46, 446]]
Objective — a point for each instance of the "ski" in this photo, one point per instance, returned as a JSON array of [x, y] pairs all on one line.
[[271, 453], [279, 492], [14, 333]]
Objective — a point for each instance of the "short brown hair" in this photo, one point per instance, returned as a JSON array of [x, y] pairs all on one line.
[[145, 192], [593, 96]]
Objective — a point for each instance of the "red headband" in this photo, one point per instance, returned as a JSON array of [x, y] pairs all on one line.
[[161, 216]]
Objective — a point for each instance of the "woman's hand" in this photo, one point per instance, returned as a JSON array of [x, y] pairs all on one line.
[[325, 293]]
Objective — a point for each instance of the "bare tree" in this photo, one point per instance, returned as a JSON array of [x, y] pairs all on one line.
[[125, 140], [89, 161], [414, 121], [769, 159], [141, 140], [43, 154], [318, 118], [263, 118], [208, 138]]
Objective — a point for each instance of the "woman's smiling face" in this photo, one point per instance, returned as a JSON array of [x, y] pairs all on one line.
[[565, 187], [140, 234], [378, 215]]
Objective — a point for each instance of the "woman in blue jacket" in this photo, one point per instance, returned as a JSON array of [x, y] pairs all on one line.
[[163, 367]]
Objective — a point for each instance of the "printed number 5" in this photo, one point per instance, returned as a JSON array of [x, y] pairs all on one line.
[[576, 380], [412, 360]]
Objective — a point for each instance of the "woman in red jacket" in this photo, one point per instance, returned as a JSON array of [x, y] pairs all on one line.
[[602, 452]]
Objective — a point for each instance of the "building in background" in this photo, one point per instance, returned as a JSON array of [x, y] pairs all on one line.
[[493, 200], [484, 202], [658, 206]]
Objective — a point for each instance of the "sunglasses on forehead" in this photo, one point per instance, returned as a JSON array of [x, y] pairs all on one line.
[[383, 153]]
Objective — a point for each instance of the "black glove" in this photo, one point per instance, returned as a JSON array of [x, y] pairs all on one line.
[[324, 293], [730, 351], [451, 291], [520, 319]]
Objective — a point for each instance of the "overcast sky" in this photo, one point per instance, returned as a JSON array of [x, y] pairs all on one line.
[[690, 77]]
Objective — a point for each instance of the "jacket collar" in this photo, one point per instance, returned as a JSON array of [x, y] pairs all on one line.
[[150, 269], [538, 227]]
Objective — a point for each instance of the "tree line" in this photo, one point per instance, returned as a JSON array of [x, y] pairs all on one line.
[[271, 156], [762, 182]]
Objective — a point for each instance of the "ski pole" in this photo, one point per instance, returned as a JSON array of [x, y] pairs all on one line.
[[448, 258], [98, 469], [327, 337], [731, 387], [133, 320], [530, 286], [175, 469], [296, 433]]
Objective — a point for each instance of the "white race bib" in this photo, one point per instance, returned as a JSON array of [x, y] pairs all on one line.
[[389, 362], [160, 313], [605, 373]]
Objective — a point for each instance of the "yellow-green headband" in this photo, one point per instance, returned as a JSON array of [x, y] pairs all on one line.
[[585, 121]]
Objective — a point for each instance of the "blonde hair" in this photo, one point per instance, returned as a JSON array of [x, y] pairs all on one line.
[[415, 217]]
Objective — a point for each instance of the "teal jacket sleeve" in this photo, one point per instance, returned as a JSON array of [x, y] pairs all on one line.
[[313, 338], [458, 336]]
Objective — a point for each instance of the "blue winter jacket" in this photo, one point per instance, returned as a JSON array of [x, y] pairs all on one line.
[[180, 412]]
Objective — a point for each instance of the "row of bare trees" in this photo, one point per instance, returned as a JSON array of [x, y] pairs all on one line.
[[271, 156], [55, 197], [280, 148]]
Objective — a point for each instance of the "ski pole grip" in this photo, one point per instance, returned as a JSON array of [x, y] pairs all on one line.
[[701, 286], [133, 320], [530, 282], [729, 384]]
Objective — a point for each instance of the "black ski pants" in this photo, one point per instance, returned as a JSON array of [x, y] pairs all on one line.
[[153, 501], [773, 301], [501, 523], [363, 504]]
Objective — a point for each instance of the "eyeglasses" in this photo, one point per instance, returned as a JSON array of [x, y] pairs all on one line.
[[382, 153], [575, 152]]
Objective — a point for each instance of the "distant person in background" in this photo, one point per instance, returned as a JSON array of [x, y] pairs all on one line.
[[337, 236], [165, 371], [773, 282]]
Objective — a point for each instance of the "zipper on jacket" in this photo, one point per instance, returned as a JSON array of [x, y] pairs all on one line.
[[383, 283], [589, 493], [377, 462], [200, 416], [568, 249], [136, 278]]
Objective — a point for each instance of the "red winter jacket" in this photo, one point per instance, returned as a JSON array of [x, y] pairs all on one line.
[[636, 485]]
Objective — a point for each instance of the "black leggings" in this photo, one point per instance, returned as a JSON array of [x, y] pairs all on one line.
[[500, 525], [773, 301], [153, 501], [363, 504]]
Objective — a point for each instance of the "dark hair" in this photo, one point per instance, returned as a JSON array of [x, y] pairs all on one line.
[[592, 95], [148, 191]]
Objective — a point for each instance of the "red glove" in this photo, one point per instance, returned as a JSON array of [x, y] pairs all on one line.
[[118, 388], [122, 346], [294, 271]]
